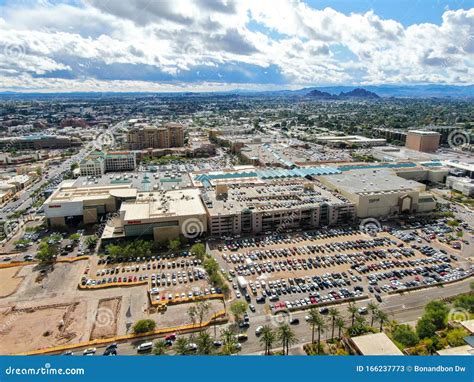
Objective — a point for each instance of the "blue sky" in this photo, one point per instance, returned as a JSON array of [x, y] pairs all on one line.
[[180, 45]]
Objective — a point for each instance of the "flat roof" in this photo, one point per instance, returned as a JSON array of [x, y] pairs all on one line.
[[468, 325], [424, 132], [376, 344], [270, 196], [371, 180], [458, 350], [150, 205]]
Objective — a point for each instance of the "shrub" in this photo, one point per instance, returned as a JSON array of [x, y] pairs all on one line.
[[143, 326]]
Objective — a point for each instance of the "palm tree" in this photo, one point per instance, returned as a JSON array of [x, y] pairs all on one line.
[[287, 337], [204, 343], [333, 313], [229, 342], [381, 317], [267, 338], [160, 348], [340, 325], [321, 325], [373, 307], [352, 309], [313, 317], [181, 346]]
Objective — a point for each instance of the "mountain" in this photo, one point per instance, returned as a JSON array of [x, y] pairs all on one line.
[[320, 95], [359, 93]]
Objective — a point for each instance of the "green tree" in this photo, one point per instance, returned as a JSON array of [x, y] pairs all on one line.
[[372, 307], [174, 245], [340, 326], [455, 337], [238, 308], [229, 342], [144, 326], [425, 327], [381, 317], [287, 337], [47, 253], [205, 344], [198, 250], [160, 348], [466, 302], [438, 313], [181, 346], [91, 241], [333, 313], [405, 335], [267, 338], [352, 309]]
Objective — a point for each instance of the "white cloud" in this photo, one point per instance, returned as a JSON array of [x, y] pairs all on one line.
[[173, 38]]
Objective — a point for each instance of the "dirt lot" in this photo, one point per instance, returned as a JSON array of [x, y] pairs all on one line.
[[10, 281], [105, 322], [29, 328], [177, 315]]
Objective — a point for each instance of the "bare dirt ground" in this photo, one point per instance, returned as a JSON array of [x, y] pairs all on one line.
[[36, 327], [10, 281], [177, 315], [105, 322]]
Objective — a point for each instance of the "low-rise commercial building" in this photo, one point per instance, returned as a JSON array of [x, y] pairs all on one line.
[[380, 192], [164, 215], [38, 142], [463, 185], [373, 344]]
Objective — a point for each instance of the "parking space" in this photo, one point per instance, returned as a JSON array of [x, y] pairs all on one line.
[[324, 267], [167, 277]]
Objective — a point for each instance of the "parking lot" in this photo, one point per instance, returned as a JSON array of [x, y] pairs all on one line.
[[308, 268], [167, 277]]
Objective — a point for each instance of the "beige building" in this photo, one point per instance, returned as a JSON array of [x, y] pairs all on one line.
[[421, 140], [164, 215], [381, 193], [373, 344], [264, 207], [71, 205], [145, 136]]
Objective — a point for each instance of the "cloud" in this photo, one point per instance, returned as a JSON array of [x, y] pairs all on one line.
[[95, 42]]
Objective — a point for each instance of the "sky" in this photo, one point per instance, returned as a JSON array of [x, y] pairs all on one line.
[[220, 45]]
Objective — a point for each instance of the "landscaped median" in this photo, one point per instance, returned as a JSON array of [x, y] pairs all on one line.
[[218, 318], [175, 301], [23, 263]]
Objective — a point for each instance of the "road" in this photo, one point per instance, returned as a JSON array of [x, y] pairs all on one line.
[[25, 201], [402, 308]]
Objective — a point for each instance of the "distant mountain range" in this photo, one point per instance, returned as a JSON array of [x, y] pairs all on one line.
[[356, 93], [371, 92]]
